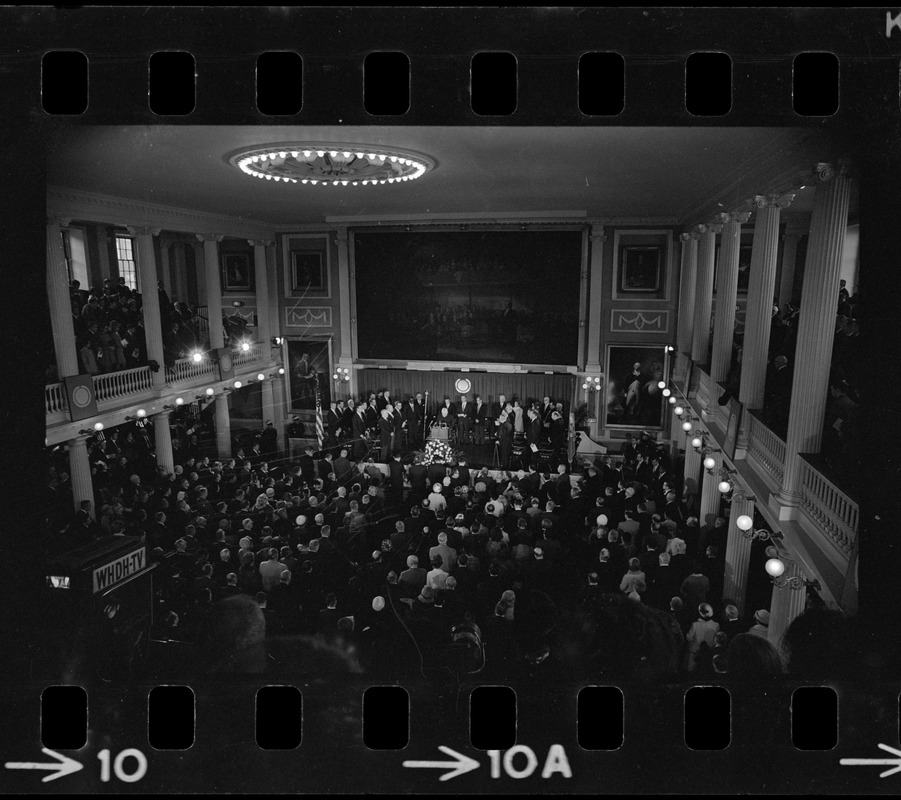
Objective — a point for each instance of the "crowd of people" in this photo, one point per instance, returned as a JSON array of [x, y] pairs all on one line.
[[430, 568]]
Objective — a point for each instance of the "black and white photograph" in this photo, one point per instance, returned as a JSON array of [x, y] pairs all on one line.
[[380, 448]]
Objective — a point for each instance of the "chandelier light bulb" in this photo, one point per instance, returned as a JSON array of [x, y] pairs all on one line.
[[774, 567], [744, 523], [245, 346]]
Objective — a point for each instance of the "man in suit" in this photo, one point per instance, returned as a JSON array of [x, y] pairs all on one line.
[[498, 407], [464, 420], [400, 430], [412, 414], [547, 408], [386, 434], [396, 478], [479, 419], [383, 400], [359, 427], [332, 424], [451, 408], [533, 437], [342, 467], [504, 438], [307, 465]]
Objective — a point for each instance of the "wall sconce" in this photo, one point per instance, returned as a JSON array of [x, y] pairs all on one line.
[[725, 485], [179, 401], [709, 461], [261, 377], [742, 496], [591, 384], [139, 414], [341, 374], [281, 370], [238, 384], [688, 424], [661, 384], [666, 393], [670, 349], [207, 393], [775, 568]]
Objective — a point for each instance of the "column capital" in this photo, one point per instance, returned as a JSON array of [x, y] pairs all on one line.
[[260, 242], [776, 200], [597, 232], [710, 227], [692, 234], [143, 230], [741, 217], [209, 237], [79, 441], [59, 219]]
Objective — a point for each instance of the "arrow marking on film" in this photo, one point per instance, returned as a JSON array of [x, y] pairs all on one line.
[[459, 766], [64, 766], [895, 763]]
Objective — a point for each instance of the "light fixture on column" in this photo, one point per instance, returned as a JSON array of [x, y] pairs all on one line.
[[688, 424], [179, 401], [672, 400], [666, 393], [244, 346], [661, 384], [96, 428], [281, 370], [740, 496], [697, 443], [207, 393], [591, 384], [341, 375], [678, 411], [775, 568], [261, 377], [709, 460], [276, 341], [139, 414], [725, 485], [196, 356], [745, 525]]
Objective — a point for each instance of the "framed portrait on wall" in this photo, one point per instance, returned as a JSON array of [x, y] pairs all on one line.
[[307, 265], [632, 397], [237, 272], [641, 266]]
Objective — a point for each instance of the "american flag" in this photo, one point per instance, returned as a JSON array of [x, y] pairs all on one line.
[[320, 427]]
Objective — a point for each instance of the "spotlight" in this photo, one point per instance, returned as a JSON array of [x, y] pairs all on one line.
[[197, 357]]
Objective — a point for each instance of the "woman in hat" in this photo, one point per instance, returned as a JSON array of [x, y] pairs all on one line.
[[701, 633]]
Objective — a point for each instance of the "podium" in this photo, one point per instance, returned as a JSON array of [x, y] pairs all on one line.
[[439, 432]]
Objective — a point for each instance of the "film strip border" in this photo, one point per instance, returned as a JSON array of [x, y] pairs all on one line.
[[549, 738]]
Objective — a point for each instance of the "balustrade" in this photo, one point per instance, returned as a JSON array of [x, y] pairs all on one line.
[[54, 398], [186, 369], [829, 508], [767, 449], [112, 385]]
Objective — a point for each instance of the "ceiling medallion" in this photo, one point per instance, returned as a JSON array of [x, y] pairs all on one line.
[[321, 164]]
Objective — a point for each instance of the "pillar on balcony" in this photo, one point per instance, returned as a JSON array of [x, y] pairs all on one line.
[[348, 322], [687, 285], [759, 312], [261, 282], [80, 470], [816, 332], [150, 299], [162, 437], [787, 602], [700, 342], [738, 554], [711, 497], [726, 295], [223, 427], [60, 301], [691, 491], [213, 285]]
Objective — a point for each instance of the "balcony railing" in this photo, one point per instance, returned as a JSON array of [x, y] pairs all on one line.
[[766, 449], [703, 394], [242, 357], [113, 385], [833, 511], [54, 398], [186, 369]]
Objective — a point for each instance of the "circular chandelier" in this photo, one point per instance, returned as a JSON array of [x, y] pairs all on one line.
[[322, 164]]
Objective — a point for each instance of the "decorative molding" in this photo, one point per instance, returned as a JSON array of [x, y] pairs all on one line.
[[626, 320], [120, 211], [261, 242], [779, 200], [308, 316], [143, 230], [209, 237]]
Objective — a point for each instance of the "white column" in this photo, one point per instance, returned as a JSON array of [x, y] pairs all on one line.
[[738, 554], [700, 342], [345, 304], [759, 312], [597, 239], [150, 299], [101, 238], [213, 283], [787, 602], [268, 401], [687, 285], [162, 437], [261, 282], [816, 329], [789, 253], [726, 294], [223, 427], [80, 470], [60, 302], [711, 497]]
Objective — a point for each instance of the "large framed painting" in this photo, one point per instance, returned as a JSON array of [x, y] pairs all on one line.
[[237, 272], [641, 267], [308, 363], [633, 398], [490, 295], [307, 266]]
